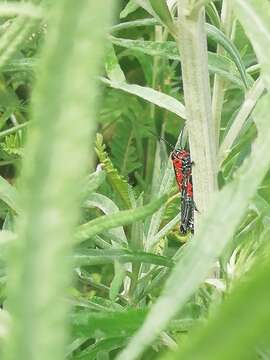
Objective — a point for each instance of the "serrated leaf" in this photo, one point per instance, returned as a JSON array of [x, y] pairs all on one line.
[[124, 152], [11, 147], [217, 64], [117, 182]]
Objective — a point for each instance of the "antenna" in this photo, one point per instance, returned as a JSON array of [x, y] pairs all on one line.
[[161, 138], [181, 137]]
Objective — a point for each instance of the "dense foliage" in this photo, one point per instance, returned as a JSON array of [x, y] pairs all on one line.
[[92, 264]]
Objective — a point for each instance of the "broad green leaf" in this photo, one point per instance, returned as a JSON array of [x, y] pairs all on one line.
[[93, 182], [120, 218], [215, 231], [91, 257], [112, 66], [117, 281], [9, 195], [107, 206], [254, 15], [155, 97], [109, 324]]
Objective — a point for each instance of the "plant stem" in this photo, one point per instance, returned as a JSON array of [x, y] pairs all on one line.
[[151, 145], [251, 100], [13, 130], [192, 44], [56, 158], [219, 82]]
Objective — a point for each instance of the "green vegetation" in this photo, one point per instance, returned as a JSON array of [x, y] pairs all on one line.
[[92, 263]]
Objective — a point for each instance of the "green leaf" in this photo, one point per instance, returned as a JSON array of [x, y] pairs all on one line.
[[215, 231], [110, 344], [235, 328], [107, 206], [107, 324], [166, 179], [134, 23], [93, 182], [213, 15], [117, 281], [13, 130], [216, 35], [217, 64], [112, 66], [155, 97], [124, 152], [121, 218], [162, 11], [9, 195], [254, 15], [146, 6], [91, 257], [14, 36], [129, 9], [117, 182], [25, 64], [25, 9]]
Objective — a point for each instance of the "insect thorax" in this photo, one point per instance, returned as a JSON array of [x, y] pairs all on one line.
[[181, 159]]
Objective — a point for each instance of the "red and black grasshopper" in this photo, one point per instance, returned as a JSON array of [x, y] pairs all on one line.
[[182, 165]]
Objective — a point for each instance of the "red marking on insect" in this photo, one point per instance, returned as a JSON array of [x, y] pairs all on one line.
[[182, 165]]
